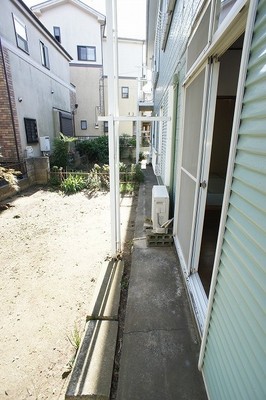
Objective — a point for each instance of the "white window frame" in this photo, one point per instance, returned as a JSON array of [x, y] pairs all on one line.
[[89, 50], [83, 124], [57, 37], [234, 21], [44, 55], [21, 34], [125, 92], [217, 23]]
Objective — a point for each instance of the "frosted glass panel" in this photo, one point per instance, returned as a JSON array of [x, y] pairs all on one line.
[[185, 214], [192, 126]]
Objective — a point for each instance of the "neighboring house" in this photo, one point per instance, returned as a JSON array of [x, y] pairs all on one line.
[[80, 29], [130, 69], [209, 76], [36, 97]]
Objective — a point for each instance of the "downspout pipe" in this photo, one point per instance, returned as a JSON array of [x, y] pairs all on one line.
[[239, 98], [10, 101]]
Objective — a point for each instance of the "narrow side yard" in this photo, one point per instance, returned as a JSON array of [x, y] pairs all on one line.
[[51, 251]]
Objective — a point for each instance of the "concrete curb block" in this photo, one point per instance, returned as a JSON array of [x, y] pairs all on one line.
[[91, 376], [106, 298], [92, 373]]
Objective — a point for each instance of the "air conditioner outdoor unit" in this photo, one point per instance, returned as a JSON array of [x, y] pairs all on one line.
[[160, 208]]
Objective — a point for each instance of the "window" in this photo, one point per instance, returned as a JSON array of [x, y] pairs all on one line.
[[83, 124], [86, 53], [199, 40], [57, 33], [105, 127], [44, 55], [66, 123], [125, 92], [31, 130], [223, 8], [21, 34]]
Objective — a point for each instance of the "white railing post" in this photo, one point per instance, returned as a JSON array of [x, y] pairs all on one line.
[[113, 125]]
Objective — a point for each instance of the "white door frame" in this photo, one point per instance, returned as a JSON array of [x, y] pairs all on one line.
[[186, 259], [190, 267], [205, 163]]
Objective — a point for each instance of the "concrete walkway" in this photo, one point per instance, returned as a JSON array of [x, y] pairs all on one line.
[[160, 344]]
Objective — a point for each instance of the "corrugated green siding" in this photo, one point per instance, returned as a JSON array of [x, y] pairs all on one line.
[[235, 360]]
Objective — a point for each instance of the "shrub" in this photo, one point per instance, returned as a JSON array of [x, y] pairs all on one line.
[[128, 187], [60, 155], [127, 140], [95, 149], [55, 176], [73, 184], [138, 174], [9, 175]]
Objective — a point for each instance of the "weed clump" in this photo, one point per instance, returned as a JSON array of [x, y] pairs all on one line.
[[97, 179], [73, 184]]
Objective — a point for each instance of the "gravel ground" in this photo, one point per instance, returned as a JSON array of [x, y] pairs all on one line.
[[51, 251]]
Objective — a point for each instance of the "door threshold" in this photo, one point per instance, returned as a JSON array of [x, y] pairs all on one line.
[[199, 300]]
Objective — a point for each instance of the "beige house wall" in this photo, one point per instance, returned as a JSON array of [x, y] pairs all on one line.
[[88, 99]]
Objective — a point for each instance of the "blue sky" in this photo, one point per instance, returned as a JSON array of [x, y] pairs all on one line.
[[131, 15]]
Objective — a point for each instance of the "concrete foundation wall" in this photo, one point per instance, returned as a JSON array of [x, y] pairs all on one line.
[[38, 169], [38, 173]]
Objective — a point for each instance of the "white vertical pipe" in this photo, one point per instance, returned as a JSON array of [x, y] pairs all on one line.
[[138, 124], [112, 73]]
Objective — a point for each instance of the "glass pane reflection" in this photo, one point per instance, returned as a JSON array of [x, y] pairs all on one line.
[[222, 9]]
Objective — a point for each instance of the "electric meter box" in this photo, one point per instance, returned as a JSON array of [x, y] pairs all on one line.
[[45, 143], [160, 208]]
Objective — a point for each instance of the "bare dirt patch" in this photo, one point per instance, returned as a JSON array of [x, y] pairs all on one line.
[[51, 251]]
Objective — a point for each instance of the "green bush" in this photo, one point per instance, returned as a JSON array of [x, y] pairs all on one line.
[[128, 187], [138, 174], [73, 184], [61, 152], [127, 140], [95, 149]]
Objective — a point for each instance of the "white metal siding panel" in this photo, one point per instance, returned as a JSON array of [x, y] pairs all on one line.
[[235, 362]]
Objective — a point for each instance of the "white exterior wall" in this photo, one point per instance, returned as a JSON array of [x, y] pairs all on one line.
[[130, 62], [35, 89], [58, 59], [130, 57], [127, 107], [79, 27], [87, 99]]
